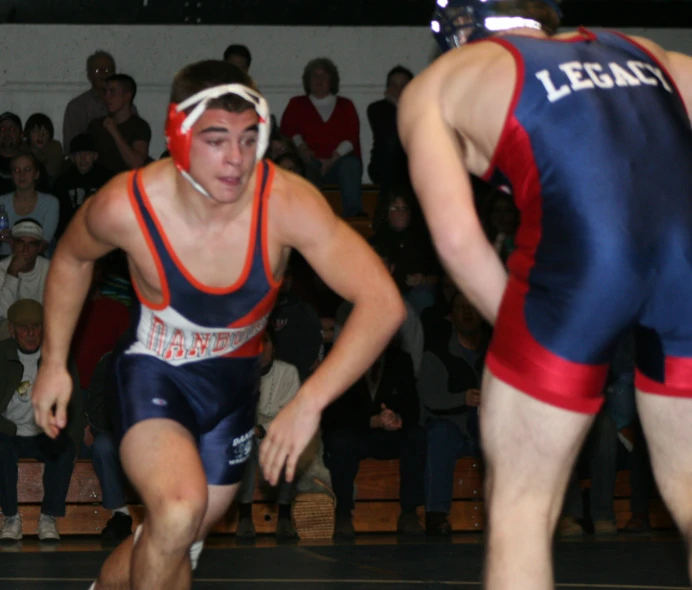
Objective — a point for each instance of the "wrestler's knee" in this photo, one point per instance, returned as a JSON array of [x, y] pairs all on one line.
[[174, 520]]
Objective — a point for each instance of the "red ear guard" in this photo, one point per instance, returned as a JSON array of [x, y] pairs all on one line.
[[177, 139]]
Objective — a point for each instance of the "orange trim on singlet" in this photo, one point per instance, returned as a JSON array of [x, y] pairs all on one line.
[[152, 248], [240, 281], [265, 233]]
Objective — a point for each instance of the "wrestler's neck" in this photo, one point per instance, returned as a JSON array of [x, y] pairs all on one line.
[[524, 32], [205, 209]]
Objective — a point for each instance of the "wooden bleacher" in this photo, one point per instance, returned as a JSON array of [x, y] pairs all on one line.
[[377, 505]]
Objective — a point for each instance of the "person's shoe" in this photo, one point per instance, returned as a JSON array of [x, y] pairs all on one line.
[[285, 530], [639, 523], [603, 528], [11, 529], [409, 524], [343, 527], [245, 529], [47, 529], [437, 524], [118, 527], [569, 527]]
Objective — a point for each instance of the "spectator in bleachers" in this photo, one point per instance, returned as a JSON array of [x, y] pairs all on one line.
[[89, 105], [121, 137], [278, 386], [21, 437], [239, 56], [449, 386], [104, 454], [387, 165], [82, 179], [405, 237], [377, 418], [39, 140], [297, 330], [26, 201], [23, 273], [10, 145], [326, 129]]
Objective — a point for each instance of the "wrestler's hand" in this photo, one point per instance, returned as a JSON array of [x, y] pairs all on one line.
[[287, 436], [50, 396]]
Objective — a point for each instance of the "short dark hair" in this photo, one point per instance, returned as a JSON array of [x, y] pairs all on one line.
[[328, 66], [294, 158], [38, 120], [209, 73], [240, 50], [127, 83], [7, 116], [399, 70]]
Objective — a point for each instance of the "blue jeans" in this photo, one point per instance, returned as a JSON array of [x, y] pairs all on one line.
[[446, 444], [109, 471], [58, 457], [347, 173]]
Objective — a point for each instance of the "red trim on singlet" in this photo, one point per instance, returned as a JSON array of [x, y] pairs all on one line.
[[515, 356], [263, 308], [240, 281], [518, 87], [653, 58], [264, 225], [152, 249], [678, 379]]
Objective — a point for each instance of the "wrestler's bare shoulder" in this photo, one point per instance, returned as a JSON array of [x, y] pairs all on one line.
[[109, 213]]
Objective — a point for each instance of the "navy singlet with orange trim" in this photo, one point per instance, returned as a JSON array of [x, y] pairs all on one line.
[[194, 358]]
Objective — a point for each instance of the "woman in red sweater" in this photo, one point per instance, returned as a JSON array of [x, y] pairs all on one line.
[[326, 129]]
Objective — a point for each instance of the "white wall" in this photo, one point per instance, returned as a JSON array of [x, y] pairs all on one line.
[[43, 66]]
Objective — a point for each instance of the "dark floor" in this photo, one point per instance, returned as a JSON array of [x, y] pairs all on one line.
[[653, 562]]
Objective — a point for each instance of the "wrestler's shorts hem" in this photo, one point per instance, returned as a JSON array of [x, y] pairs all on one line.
[[522, 382], [647, 385]]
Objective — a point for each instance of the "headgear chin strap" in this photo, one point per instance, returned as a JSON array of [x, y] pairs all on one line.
[[179, 124], [457, 22]]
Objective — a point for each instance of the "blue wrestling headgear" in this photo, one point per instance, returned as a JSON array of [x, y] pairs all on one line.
[[456, 22]]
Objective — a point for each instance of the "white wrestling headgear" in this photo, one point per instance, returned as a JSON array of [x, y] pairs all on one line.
[[179, 123]]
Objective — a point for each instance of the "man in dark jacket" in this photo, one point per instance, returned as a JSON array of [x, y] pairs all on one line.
[[377, 418], [20, 437]]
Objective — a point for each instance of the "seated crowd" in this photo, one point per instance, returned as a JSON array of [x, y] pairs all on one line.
[[420, 400]]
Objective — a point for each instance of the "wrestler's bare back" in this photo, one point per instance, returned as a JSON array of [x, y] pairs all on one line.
[[474, 87]]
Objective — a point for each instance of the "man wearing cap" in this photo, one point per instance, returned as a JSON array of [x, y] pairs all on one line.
[[10, 142], [21, 437], [82, 179], [23, 273]]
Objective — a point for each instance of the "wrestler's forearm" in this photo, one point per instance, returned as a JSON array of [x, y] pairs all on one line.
[[67, 286], [477, 270], [369, 328]]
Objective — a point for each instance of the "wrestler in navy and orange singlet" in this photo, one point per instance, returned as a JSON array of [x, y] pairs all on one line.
[[597, 147], [194, 358]]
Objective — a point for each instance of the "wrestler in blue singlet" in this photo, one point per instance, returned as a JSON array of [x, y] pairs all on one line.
[[598, 149], [194, 358]]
